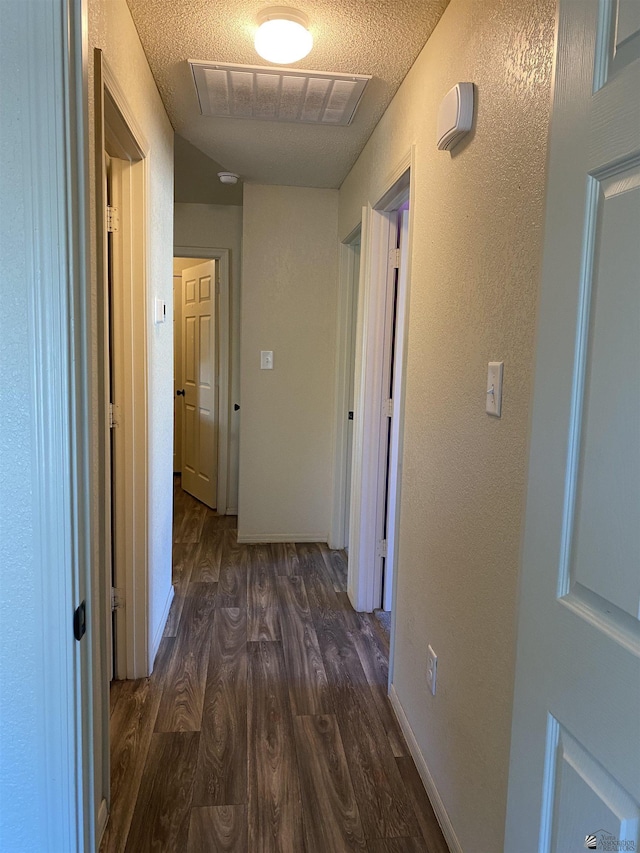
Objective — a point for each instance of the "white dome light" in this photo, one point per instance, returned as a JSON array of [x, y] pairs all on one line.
[[283, 36]]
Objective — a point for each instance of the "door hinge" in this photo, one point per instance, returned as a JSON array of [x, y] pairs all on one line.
[[112, 415], [394, 259], [113, 220], [117, 598], [381, 550], [387, 408]]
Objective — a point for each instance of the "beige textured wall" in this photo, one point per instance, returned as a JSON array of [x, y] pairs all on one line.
[[289, 278], [111, 29], [220, 227], [477, 232]]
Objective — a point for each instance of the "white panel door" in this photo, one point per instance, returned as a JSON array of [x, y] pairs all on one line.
[[199, 373], [575, 761]]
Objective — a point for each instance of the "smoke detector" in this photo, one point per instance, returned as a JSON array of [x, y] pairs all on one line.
[[228, 177]]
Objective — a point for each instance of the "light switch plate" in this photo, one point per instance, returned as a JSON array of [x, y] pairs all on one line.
[[266, 359], [494, 388]]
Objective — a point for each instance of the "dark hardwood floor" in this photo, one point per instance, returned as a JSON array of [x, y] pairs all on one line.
[[265, 725]]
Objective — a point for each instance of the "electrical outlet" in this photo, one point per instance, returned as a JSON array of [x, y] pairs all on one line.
[[432, 665]]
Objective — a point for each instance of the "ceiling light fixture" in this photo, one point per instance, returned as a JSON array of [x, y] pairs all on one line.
[[283, 35]]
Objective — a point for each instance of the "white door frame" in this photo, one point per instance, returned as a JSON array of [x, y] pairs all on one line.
[[379, 225], [224, 339], [345, 321], [118, 132]]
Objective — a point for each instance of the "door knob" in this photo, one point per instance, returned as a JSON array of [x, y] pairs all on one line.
[[180, 393]]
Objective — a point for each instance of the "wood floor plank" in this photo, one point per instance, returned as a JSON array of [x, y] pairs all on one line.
[[336, 564], [191, 527], [221, 522], [234, 568], [398, 845], [218, 829], [331, 816], [130, 733], [307, 680], [130, 730], [375, 664], [161, 817], [183, 694], [422, 807], [293, 709], [274, 805], [263, 622], [207, 557], [182, 568], [221, 773], [381, 621], [116, 689], [380, 792], [323, 599], [180, 501], [285, 559], [182, 561]]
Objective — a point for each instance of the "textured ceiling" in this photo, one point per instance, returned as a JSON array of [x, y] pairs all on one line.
[[377, 37]]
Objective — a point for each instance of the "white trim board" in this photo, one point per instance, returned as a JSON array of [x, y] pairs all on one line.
[[345, 322], [427, 779]]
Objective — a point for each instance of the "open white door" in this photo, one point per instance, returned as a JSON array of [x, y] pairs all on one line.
[[199, 370], [575, 762]]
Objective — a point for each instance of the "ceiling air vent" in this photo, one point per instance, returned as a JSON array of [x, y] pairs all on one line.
[[277, 94]]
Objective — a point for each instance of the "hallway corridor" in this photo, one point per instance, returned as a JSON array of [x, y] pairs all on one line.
[[265, 725]]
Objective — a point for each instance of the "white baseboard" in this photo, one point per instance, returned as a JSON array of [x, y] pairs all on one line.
[[427, 779], [266, 538], [160, 630], [232, 510]]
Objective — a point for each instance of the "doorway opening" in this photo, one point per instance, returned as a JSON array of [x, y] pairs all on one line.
[[380, 354], [179, 265], [121, 262], [201, 292]]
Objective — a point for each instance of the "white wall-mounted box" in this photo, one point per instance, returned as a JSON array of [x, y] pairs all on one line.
[[455, 116]]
